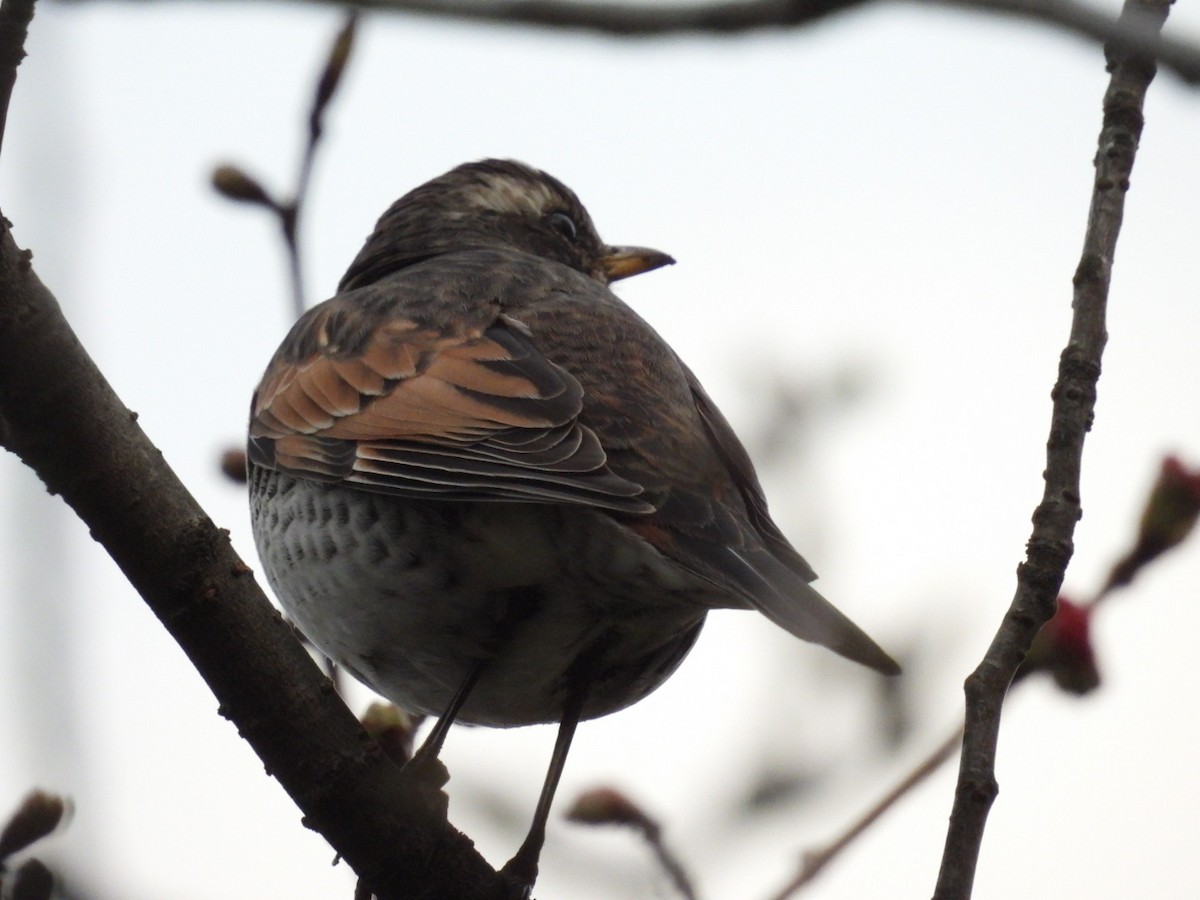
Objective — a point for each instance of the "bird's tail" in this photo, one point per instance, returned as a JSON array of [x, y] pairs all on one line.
[[791, 603]]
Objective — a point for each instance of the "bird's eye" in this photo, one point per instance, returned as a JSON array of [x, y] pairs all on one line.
[[563, 224]]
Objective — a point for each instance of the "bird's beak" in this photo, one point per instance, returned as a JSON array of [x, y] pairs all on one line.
[[621, 262]]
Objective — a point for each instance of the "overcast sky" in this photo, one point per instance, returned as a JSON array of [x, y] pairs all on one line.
[[886, 208]]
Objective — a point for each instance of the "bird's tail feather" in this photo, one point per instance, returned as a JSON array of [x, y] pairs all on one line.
[[796, 606]]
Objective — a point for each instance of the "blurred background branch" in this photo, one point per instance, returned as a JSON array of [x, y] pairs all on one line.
[[650, 19]]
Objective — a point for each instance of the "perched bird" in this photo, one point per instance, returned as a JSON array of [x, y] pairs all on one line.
[[486, 487]]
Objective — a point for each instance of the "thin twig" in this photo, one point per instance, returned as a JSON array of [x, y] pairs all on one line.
[[671, 865], [233, 183], [15, 16], [1063, 648], [1049, 550], [289, 213], [815, 860], [608, 806]]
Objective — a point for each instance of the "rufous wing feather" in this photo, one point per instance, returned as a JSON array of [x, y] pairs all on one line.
[[397, 406]]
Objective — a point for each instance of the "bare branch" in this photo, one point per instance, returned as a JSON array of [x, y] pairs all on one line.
[[1050, 547], [289, 214], [814, 861], [607, 806], [651, 20], [63, 419], [66, 423], [234, 184], [15, 16], [659, 20]]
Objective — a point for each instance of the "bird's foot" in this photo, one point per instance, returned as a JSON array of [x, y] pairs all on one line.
[[520, 872], [427, 768]]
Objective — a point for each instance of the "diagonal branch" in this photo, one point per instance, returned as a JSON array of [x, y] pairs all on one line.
[[1050, 547], [63, 419], [815, 860], [15, 16]]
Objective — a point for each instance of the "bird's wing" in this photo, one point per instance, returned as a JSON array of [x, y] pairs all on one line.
[[464, 408]]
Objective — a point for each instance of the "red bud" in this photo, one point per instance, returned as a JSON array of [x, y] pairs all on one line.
[[1168, 518], [1063, 648]]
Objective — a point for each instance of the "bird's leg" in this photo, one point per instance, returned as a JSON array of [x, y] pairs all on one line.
[[424, 763], [520, 604], [522, 869]]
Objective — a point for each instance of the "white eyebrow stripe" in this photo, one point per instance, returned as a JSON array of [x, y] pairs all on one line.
[[503, 194]]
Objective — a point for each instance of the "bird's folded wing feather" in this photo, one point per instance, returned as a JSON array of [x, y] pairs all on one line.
[[746, 553], [471, 410]]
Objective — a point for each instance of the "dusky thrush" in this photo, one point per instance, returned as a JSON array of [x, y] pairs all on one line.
[[486, 487]]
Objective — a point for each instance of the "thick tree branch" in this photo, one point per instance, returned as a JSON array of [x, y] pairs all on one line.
[[63, 419], [657, 19], [65, 422], [1050, 547], [15, 16]]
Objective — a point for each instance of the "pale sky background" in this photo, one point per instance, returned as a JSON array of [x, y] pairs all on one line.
[[895, 198]]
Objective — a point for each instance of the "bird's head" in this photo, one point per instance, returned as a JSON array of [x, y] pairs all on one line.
[[494, 204]]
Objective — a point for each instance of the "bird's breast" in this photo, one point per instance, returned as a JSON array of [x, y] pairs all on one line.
[[409, 595]]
